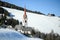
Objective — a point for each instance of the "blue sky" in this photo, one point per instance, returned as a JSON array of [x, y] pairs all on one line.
[[44, 6]]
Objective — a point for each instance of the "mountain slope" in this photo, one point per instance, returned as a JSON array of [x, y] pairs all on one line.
[[40, 22]]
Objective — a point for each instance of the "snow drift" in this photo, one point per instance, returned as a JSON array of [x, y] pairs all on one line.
[[8, 34]]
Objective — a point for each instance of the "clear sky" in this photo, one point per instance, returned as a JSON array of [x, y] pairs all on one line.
[[44, 6]]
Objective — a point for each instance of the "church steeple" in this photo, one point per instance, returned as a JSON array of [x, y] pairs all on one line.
[[25, 18], [25, 15]]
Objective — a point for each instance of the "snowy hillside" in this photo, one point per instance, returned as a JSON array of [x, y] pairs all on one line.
[[40, 22]]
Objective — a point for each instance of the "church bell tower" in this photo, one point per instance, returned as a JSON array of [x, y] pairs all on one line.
[[25, 18]]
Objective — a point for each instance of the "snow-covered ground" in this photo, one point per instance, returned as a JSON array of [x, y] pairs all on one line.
[[8, 34], [40, 22]]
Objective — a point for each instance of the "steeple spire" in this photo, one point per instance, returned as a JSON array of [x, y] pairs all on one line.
[[25, 11], [25, 16]]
